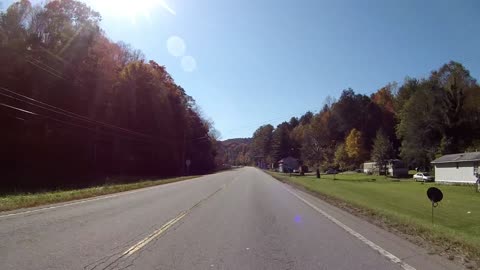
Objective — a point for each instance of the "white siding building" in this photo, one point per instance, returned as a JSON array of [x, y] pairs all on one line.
[[395, 168], [288, 164], [457, 168]]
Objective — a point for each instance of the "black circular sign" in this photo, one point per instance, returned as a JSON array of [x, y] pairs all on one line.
[[434, 194]]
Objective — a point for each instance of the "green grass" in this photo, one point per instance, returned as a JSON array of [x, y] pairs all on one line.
[[405, 206], [16, 201]]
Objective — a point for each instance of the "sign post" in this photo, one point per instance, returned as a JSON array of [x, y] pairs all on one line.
[[478, 182], [188, 162], [435, 195]]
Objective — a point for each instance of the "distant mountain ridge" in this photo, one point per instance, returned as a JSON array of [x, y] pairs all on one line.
[[237, 141], [235, 151]]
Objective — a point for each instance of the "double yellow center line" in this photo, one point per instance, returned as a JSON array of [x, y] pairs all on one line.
[[167, 225], [153, 235]]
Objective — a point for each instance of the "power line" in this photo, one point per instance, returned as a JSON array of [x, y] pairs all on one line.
[[61, 121], [52, 71], [18, 109], [57, 110], [75, 116], [33, 105], [48, 71], [29, 58], [56, 73]]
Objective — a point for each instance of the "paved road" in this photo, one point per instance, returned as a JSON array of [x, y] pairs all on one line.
[[241, 219]]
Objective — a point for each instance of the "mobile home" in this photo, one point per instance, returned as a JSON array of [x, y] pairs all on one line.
[[457, 168]]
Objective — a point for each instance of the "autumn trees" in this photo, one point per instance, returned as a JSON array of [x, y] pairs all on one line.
[[382, 150], [438, 115], [78, 107], [415, 121]]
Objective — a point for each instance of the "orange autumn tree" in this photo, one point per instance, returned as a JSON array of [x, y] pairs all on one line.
[[355, 148]]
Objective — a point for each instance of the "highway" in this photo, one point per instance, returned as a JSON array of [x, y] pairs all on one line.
[[238, 219]]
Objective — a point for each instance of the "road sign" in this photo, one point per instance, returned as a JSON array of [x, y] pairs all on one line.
[[435, 195]]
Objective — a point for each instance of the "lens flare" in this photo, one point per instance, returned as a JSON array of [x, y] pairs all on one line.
[[129, 9], [188, 63], [176, 46]]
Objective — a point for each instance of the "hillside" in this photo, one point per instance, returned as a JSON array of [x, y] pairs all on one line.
[[234, 151], [237, 141]]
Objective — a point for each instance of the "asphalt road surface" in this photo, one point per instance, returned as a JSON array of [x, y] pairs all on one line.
[[240, 219]]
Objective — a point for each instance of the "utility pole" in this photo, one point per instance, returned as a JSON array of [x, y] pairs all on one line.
[[184, 150]]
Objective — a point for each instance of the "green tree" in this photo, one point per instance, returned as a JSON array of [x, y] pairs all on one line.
[[454, 81], [382, 150], [349, 112], [435, 117], [281, 143], [404, 93], [261, 148], [318, 145], [420, 126], [293, 123], [342, 160], [306, 118]]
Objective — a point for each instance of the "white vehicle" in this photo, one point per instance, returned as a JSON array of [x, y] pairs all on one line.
[[424, 177]]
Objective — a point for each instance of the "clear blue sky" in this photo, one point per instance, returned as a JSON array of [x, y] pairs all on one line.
[[264, 61]]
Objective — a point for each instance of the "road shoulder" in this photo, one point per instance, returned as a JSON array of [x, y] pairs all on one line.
[[395, 243]]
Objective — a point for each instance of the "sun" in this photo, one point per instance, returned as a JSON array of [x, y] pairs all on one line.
[[131, 9]]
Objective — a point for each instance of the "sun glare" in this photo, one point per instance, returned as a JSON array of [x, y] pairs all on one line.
[[130, 9]]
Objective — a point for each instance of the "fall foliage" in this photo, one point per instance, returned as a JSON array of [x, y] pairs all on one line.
[[77, 109], [415, 121]]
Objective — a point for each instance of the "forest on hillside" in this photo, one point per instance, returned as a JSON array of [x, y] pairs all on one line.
[[77, 108], [417, 121], [234, 152]]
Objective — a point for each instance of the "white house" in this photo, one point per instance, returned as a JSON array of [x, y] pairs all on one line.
[[457, 168], [288, 164], [395, 168]]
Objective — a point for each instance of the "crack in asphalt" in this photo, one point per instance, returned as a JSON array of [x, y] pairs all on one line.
[[116, 263], [120, 249]]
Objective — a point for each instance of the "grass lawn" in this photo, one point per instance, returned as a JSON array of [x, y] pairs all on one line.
[[16, 201], [405, 205]]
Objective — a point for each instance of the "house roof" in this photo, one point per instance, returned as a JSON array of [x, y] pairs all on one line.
[[289, 158], [462, 157]]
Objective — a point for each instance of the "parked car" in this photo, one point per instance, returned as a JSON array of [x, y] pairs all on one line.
[[331, 171], [424, 177]]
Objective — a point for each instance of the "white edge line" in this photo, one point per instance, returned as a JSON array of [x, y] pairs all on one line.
[[101, 197], [362, 238], [59, 206], [96, 198]]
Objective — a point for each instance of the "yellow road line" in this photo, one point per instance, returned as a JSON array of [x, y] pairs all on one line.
[[169, 224], [153, 235]]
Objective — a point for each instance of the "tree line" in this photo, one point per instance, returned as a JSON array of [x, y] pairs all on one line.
[[76, 108], [417, 121], [234, 152]]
